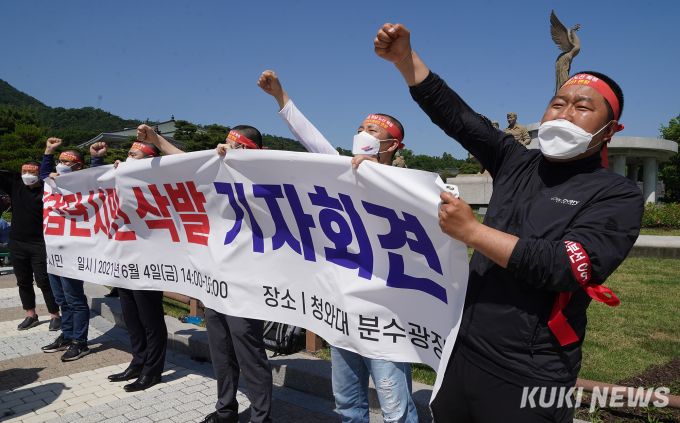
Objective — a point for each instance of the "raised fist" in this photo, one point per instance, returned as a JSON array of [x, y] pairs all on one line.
[[146, 134], [52, 145], [98, 149], [270, 84], [393, 43]]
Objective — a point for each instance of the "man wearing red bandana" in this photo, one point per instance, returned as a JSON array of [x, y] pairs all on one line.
[[143, 315], [558, 224], [68, 292], [377, 140], [26, 244], [236, 343]]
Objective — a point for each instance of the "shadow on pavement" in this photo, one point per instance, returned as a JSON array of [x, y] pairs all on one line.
[[18, 402]]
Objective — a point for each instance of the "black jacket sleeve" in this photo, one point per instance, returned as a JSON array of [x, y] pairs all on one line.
[[6, 184], [47, 166], [474, 132], [96, 161], [606, 229]]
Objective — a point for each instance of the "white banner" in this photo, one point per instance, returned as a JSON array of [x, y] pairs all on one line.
[[354, 255]]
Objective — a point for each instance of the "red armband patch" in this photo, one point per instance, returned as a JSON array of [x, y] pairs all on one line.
[[581, 266]]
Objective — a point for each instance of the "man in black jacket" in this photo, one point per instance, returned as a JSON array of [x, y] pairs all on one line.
[[27, 245], [557, 226], [143, 315]]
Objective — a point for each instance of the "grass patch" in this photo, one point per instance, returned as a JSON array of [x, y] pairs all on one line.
[[644, 330], [175, 309], [423, 373], [663, 232]]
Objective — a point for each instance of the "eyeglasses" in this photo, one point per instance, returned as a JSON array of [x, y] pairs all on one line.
[[240, 146]]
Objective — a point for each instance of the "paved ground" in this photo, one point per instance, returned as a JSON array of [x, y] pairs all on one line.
[[38, 387]]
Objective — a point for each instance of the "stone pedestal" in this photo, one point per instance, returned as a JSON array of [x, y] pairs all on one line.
[[473, 189]]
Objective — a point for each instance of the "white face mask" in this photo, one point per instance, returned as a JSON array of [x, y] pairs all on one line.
[[365, 143], [131, 159], [561, 139], [29, 179], [62, 169]]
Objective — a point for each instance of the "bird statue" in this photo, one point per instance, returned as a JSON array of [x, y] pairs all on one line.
[[569, 43]]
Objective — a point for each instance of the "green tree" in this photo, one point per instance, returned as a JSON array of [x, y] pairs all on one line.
[[344, 152], [430, 163], [273, 142], [468, 169], [12, 116], [446, 174], [184, 131], [21, 138], [214, 134], [669, 171]]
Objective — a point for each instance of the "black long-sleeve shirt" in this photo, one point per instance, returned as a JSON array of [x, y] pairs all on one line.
[[505, 320], [27, 210]]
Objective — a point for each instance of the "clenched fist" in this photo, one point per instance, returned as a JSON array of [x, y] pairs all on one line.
[[52, 145], [146, 134], [98, 149], [270, 84], [393, 43]]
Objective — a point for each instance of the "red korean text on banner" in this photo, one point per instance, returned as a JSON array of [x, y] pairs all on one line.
[[192, 214]]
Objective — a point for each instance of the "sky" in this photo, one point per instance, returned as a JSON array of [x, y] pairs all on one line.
[[200, 60]]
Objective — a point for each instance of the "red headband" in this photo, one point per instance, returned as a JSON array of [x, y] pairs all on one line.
[[30, 167], [71, 157], [241, 139], [601, 87], [145, 148], [388, 126]]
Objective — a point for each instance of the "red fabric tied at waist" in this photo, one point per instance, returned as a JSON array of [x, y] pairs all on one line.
[[580, 265]]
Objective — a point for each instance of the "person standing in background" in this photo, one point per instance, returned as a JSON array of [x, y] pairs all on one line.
[[26, 244]]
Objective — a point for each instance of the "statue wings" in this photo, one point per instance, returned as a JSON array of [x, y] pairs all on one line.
[[560, 34]]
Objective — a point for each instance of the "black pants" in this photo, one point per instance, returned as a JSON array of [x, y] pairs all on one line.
[[469, 394], [237, 344], [29, 259], [143, 314]]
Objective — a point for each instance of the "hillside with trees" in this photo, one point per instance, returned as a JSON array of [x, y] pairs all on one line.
[[25, 124], [74, 126]]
